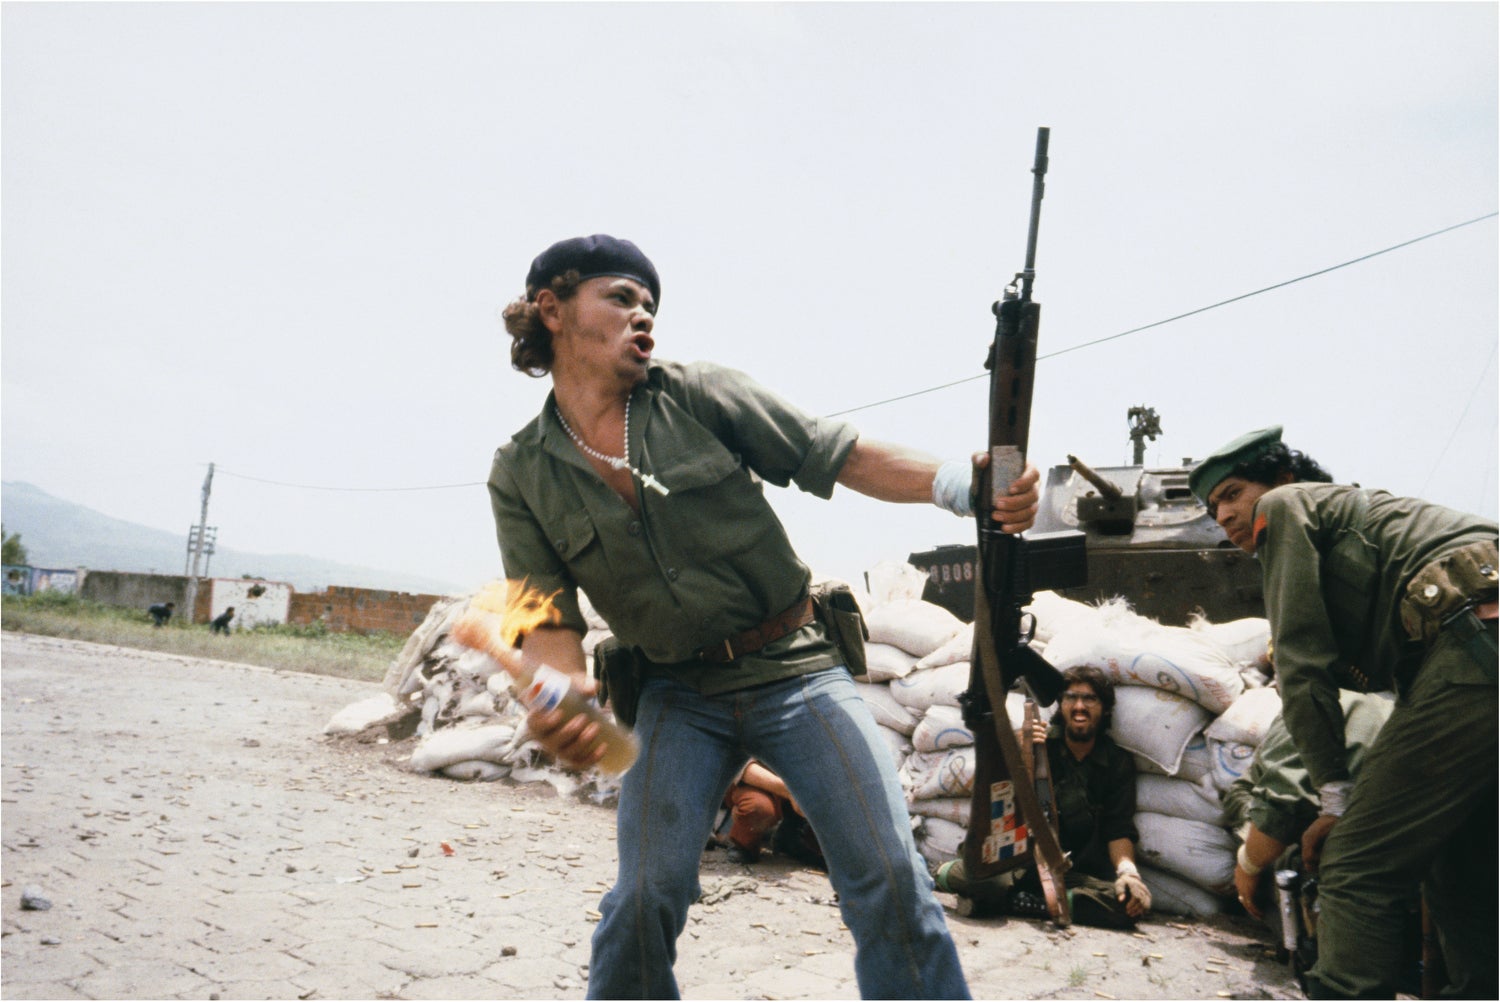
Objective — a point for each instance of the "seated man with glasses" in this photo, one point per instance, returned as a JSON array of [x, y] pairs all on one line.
[[1094, 786]]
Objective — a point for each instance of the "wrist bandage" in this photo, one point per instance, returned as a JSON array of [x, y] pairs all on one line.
[[1243, 859], [952, 486], [1333, 798]]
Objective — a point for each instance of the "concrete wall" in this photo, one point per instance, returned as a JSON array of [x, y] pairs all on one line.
[[362, 610], [135, 591], [23, 580], [256, 603]]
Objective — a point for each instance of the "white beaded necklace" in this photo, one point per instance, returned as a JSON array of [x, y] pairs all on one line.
[[615, 462]]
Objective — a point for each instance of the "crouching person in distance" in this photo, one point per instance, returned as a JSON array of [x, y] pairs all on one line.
[[1093, 781], [1368, 591], [639, 483]]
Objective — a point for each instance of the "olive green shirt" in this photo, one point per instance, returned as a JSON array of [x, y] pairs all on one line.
[[702, 563], [1276, 794], [1335, 562]]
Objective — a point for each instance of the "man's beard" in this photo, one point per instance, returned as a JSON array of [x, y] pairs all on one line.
[[1080, 733]]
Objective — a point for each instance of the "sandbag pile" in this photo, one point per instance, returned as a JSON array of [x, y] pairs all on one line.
[[1192, 704], [467, 724]]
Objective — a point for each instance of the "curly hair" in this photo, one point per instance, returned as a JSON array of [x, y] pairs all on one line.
[[1276, 459], [1095, 679], [531, 341]]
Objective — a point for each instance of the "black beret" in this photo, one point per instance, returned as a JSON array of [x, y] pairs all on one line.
[[593, 256]]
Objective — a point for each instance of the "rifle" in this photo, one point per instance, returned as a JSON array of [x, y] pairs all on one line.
[[1008, 826]]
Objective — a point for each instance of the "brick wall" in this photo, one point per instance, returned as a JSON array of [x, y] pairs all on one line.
[[361, 610]]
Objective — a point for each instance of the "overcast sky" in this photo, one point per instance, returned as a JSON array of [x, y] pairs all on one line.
[[277, 237]]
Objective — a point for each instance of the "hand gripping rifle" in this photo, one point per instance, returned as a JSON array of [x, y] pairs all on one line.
[[1008, 826]]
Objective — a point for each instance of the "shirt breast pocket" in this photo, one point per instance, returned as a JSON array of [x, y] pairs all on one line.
[[575, 540]]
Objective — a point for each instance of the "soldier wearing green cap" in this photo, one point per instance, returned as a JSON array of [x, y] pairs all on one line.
[[1368, 591]]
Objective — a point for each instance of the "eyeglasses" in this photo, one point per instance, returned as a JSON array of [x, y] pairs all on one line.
[[1086, 698]]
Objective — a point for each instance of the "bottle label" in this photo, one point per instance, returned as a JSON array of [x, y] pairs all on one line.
[[547, 689]]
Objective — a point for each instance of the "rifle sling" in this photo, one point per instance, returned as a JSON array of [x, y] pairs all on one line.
[[1047, 850]]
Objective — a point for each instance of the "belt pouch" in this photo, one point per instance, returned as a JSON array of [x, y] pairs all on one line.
[[619, 672], [839, 613]]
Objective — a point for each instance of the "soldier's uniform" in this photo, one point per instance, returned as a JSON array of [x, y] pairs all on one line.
[[1275, 794], [1369, 591]]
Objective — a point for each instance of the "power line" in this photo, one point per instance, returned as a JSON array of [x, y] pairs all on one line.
[[1483, 374], [982, 375], [1189, 313]]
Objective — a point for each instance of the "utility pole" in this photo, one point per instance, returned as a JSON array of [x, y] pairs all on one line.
[[200, 542]]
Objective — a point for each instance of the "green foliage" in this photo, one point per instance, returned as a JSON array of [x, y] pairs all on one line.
[[11, 550]]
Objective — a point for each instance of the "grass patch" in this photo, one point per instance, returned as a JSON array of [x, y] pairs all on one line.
[[312, 648]]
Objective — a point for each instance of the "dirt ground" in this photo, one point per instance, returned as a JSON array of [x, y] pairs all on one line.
[[198, 837]]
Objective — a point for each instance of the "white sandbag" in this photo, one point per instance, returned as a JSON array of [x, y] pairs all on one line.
[[1197, 763], [954, 809], [356, 717], [915, 626], [477, 704], [1200, 853], [1156, 724], [934, 686], [1243, 641], [884, 662], [926, 775], [1178, 798], [1171, 895], [476, 770], [1247, 719], [889, 581], [1196, 766], [941, 727], [1136, 651], [1054, 614], [959, 647], [898, 743], [1230, 761], [943, 839], [451, 745], [885, 709]]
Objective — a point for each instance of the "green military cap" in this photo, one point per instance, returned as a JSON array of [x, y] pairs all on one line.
[[1208, 474]]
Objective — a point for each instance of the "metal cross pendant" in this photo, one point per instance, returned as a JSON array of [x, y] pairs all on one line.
[[647, 480]]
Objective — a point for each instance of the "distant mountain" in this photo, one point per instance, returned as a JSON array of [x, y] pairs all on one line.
[[61, 534]]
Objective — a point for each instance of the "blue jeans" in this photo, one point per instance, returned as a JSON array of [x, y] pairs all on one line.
[[816, 734]]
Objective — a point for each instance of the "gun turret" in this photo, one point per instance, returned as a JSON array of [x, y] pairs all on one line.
[[1111, 511]]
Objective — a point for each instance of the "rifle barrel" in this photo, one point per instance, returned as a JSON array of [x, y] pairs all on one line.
[[1038, 189]]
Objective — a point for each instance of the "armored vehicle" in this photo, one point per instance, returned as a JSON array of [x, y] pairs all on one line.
[[1149, 540]]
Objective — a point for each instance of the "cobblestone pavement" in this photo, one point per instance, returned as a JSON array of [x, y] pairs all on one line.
[[198, 837]]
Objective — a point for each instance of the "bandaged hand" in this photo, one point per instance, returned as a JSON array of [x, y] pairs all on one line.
[[1131, 889]]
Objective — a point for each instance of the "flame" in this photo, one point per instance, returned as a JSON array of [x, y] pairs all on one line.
[[521, 609]]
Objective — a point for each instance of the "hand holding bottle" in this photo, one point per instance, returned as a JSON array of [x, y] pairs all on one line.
[[563, 718]]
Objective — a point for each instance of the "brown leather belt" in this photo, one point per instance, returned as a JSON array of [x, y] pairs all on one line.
[[753, 639]]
